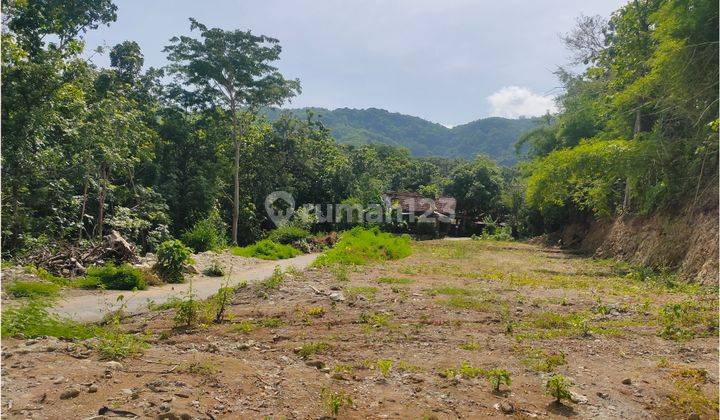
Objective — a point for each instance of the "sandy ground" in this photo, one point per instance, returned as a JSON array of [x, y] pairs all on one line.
[[385, 336]]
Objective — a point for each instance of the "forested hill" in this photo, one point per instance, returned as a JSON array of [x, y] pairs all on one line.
[[493, 136]]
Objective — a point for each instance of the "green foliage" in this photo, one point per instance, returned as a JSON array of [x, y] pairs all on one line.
[[465, 370], [47, 276], [497, 377], [360, 246], [214, 270], [308, 349], [394, 280], [688, 319], [384, 366], [188, 311], [267, 250], [288, 234], [558, 386], [273, 282], [207, 234], [171, 258], [32, 289], [109, 276], [334, 400]]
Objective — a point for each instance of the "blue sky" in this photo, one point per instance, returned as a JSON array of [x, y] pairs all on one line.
[[448, 61]]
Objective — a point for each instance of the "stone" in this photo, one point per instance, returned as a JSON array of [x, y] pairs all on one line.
[[627, 381], [318, 364], [92, 389], [506, 407], [69, 393], [603, 395], [337, 297], [577, 398], [58, 380], [113, 365]]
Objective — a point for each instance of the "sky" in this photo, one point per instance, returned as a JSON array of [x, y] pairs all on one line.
[[448, 61]]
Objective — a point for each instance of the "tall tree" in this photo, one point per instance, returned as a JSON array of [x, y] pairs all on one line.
[[234, 70]]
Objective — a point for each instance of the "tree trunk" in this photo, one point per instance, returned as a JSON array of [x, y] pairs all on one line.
[[82, 211], [636, 131], [101, 202], [236, 170]]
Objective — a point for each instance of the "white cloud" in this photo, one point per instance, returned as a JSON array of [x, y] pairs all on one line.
[[516, 101]]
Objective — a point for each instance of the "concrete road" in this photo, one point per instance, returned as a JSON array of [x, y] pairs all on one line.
[[92, 307]]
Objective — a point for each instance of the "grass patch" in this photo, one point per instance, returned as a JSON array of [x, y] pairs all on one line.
[[34, 320], [465, 370], [361, 246], [307, 350], [540, 361], [266, 250], [450, 291], [470, 346], [32, 289], [109, 276], [394, 280], [203, 368], [688, 319], [273, 282]]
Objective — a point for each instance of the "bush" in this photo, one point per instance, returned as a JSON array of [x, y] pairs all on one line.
[[109, 276], [214, 270], [288, 234], [207, 234], [360, 246], [171, 256], [34, 320], [32, 289], [266, 250], [559, 387]]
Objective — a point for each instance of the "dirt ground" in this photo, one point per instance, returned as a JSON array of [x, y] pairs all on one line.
[[403, 339]]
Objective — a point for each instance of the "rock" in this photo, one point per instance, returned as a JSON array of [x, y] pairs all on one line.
[[69, 393], [92, 389], [191, 269], [318, 364], [627, 381], [58, 380], [603, 395], [113, 365], [182, 394], [337, 297], [506, 407], [577, 398]]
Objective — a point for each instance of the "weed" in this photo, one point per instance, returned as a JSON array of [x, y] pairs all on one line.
[[116, 346], [466, 370], [404, 366], [558, 386], [360, 246], [334, 400], [471, 346], [497, 377], [375, 320], [214, 270], [203, 368], [171, 257], [344, 368], [220, 301], [540, 361], [394, 280], [243, 327], [340, 272], [109, 276], [309, 349], [266, 250], [32, 289], [688, 319], [316, 312], [273, 282], [271, 322], [384, 366], [187, 311], [49, 277]]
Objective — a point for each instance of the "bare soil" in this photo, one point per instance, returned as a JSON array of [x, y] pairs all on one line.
[[387, 346]]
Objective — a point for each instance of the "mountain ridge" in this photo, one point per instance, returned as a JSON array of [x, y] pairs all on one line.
[[492, 136]]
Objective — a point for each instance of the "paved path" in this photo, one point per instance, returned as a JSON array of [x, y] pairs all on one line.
[[92, 308]]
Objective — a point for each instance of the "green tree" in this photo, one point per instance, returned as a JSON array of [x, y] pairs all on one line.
[[232, 69]]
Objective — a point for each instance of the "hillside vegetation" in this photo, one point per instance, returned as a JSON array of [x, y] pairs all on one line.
[[494, 136]]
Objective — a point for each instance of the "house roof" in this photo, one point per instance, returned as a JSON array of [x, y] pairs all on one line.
[[416, 203]]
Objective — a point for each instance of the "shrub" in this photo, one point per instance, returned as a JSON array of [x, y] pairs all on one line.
[[267, 250], [309, 349], [47, 276], [187, 312], [109, 276], [33, 320], [559, 387], [497, 377], [360, 246], [288, 234], [385, 366], [171, 257], [32, 289], [207, 234], [220, 301], [215, 270]]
